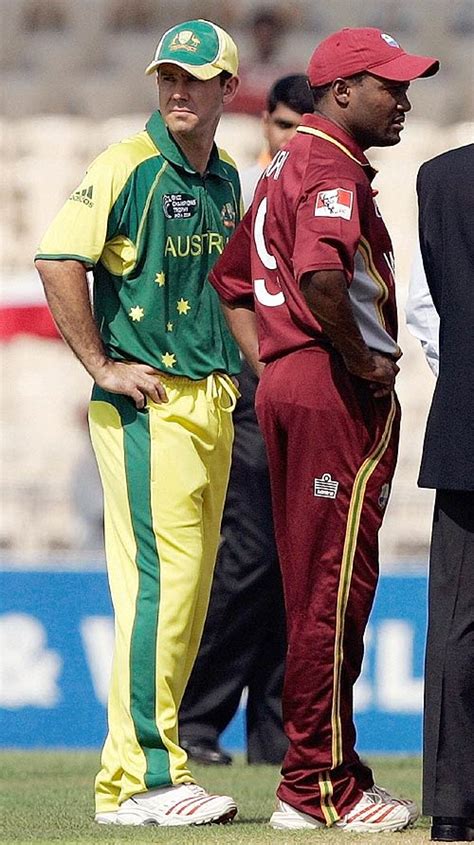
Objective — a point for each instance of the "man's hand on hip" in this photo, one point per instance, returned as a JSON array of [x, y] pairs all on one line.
[[379, 370], [139, 381]]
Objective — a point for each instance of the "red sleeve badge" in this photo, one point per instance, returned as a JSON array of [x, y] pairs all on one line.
[[336, 202]]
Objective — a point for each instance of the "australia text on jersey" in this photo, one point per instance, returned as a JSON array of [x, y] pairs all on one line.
[[181, 246]]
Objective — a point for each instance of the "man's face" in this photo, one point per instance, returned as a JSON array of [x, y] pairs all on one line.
[[376, 111], [191, 106], [279, 126]]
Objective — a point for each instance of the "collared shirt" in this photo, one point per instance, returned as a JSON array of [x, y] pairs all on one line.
[[313, 209], [151, 227], [422, 316]]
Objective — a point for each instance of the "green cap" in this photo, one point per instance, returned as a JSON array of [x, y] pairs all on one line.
[[200, 47]]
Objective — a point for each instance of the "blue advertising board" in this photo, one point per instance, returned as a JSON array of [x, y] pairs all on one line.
[[56, 640]]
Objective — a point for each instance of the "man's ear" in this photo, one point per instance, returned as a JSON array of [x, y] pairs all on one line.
[[341, 91], [229, 89]]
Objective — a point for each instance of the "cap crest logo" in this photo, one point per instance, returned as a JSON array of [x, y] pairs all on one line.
[[185, 40], [389, 40]]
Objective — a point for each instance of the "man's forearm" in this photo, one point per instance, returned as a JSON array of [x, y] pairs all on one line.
[[67, 293], [243, 325], [327, 297]]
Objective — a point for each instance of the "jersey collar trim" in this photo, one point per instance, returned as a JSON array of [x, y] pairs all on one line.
[[168, 148], [328, 131]]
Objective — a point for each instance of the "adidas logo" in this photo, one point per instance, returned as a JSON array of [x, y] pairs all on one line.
[[84, 196]]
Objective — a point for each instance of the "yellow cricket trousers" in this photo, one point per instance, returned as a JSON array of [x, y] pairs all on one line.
[[164, 472]]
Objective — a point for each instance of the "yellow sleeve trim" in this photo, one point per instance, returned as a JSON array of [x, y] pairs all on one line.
[[80, 228]]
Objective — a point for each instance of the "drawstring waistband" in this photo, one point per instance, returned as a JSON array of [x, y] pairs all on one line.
[[217, 387], [219, 384]]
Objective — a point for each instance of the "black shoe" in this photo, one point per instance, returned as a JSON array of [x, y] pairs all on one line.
[[206, 752], [452, 829]]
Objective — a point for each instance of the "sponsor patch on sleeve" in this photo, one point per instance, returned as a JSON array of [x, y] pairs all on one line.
[[334, 203]]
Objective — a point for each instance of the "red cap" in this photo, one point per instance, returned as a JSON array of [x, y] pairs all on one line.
[[352, 51]]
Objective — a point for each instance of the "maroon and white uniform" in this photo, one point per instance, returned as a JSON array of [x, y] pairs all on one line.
[[331, 445]]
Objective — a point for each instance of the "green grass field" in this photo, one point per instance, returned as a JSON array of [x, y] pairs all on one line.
[[47, 797]]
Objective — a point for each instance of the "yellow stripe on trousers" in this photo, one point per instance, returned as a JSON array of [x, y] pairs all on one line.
[[325, 796], [350, 545]]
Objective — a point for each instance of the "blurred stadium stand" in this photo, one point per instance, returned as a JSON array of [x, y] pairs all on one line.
[[87, 57], [73, 74]]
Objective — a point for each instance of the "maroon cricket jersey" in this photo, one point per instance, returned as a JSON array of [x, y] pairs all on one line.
[[313, 209]]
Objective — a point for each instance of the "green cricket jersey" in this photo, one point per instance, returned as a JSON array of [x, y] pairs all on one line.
[[152, 227]]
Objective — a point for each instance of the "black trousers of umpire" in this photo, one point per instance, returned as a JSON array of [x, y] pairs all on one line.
[[448, 765], [244, 639]]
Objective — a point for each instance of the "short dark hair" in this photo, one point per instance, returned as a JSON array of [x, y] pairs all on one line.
[[320, 91], [293, 91]]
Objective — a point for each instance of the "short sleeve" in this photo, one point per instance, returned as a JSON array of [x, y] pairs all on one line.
[[79, 230], [327, 228], [231, 276]]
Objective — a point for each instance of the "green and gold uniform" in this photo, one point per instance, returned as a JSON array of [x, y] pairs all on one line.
[[151, 228]]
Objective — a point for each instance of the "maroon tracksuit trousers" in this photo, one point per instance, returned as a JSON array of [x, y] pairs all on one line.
[[332, 452]]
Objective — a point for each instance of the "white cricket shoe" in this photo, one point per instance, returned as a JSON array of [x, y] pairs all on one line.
[[385, 795], [371, 814], [289, 818], [106, 818], [173, 806]]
